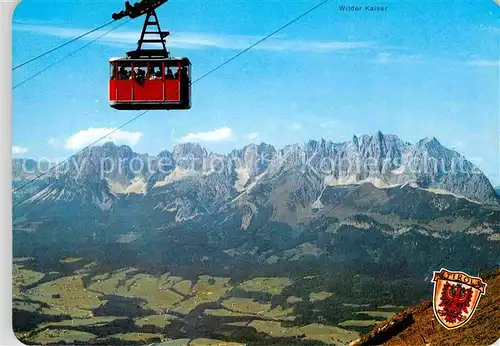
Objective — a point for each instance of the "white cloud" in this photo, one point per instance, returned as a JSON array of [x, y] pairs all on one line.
[[252, 135], [56, 142], [389, 58], [458, 144], [19, 150], [488, 28], [172, 133], [329, 124], [86, 137], [484, 63], [494, 30], [217, 135], [295, 126], [191, 40]]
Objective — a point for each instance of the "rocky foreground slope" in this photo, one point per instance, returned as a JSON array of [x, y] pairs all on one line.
[[418, 326]]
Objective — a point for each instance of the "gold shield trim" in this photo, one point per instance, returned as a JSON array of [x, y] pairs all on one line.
[[456, 296]]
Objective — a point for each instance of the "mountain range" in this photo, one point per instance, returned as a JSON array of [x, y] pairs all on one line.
[[382, 160]]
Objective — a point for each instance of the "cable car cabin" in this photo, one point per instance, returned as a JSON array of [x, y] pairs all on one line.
[[161, 83]]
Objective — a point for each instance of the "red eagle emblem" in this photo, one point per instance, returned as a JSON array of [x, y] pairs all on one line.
[[455, 299], [456, 296]]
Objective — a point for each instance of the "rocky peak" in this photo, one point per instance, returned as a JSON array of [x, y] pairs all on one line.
[[165, 153], [190, 156], [253, 158], [189, 150]]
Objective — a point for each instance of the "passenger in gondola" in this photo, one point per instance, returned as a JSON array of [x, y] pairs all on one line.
[[151, 73], [122, 74], [184, 74], [155, 73], [169, 74], [140, 76]]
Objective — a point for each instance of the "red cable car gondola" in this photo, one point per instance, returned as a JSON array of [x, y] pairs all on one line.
[[150, 83], [149, 79]]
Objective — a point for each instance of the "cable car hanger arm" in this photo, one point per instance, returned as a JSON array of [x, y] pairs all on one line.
[[146, 7], [138, 9]]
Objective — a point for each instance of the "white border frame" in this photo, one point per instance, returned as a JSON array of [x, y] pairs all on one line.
[[7, 336]]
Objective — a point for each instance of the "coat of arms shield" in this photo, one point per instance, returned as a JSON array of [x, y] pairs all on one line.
[[456, 296]]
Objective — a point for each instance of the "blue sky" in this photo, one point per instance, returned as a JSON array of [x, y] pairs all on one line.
[[419, 69]]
